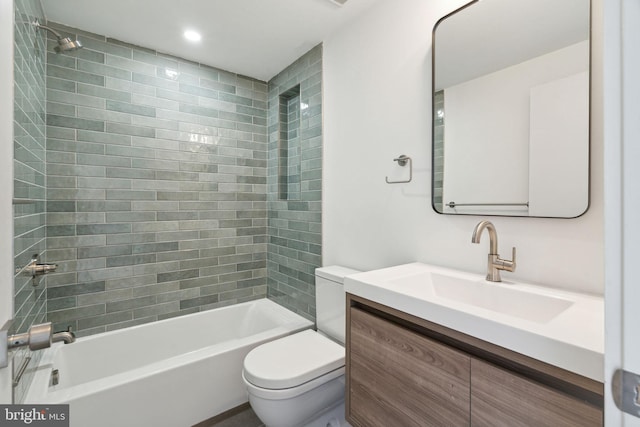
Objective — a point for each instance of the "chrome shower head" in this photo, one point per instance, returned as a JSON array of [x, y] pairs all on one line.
[[65, 44]]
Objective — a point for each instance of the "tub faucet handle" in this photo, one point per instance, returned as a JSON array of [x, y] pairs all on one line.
[[38, 337], [36, 269]]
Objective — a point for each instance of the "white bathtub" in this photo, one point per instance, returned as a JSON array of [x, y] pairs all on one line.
[[172, 373]]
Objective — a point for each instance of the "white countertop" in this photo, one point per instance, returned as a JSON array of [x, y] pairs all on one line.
[[572, 340]]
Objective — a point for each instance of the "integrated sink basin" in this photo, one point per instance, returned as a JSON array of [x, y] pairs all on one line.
[[563, 328], [500, 297]]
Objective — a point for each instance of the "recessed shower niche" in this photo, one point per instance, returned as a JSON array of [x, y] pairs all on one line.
[[289, 150]]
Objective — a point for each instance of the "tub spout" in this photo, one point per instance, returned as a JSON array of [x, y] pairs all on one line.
[[66, 336]]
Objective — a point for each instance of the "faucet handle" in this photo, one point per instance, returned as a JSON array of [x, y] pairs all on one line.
[[506, 264], [37, 337]]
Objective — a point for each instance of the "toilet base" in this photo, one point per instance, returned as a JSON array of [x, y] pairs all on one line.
[[332, 418], [315, 407]]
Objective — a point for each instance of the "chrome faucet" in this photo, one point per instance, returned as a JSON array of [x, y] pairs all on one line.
[[39, 337], [494, 262], [66, 337]]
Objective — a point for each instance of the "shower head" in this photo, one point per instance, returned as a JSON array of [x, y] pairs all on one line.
[[65, 44]]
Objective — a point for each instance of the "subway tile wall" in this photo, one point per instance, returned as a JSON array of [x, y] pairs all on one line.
[[294, 249], [156, 186], [29, 177], [438, 149], [289, 145]]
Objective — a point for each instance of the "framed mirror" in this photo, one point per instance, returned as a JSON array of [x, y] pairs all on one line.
[[511, 109]]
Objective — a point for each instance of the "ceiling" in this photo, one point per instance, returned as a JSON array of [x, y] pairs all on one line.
[[255, 38]]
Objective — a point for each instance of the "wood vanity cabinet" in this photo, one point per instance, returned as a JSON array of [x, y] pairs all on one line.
[[405, 371]]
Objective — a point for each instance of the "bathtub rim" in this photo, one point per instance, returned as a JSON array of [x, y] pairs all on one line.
[[40, 390], [283, 312]]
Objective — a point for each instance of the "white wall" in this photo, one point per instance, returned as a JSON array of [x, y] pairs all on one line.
[[377, 105], [558, 147], [6, 179], [477, 138]]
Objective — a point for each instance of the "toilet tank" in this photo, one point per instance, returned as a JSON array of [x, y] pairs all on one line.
[[330, 301]]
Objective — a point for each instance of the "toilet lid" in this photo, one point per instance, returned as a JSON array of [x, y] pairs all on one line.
[[293, 360]]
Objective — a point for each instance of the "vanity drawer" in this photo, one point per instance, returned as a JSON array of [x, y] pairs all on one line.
[[399, 377], [500, 398]]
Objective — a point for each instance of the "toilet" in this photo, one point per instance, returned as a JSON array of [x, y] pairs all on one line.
[[298, 380]]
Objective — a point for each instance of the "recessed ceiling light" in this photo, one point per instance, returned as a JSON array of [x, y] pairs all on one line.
[[192, 36]]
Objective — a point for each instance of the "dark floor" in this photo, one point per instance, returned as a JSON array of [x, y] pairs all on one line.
[[242, 417], [245, 418]]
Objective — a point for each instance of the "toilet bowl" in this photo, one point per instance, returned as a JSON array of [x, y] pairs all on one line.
[[293, 379], [299, 380]]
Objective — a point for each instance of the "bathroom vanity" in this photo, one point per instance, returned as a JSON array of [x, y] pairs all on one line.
[[405, 369]]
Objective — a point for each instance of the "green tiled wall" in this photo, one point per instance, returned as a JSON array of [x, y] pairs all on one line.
[[157, 178], [289, 145], [438, 149], [294, 249], [29, 175]]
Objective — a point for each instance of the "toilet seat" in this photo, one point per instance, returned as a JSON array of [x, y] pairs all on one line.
[[293, 392], [293, 361]]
